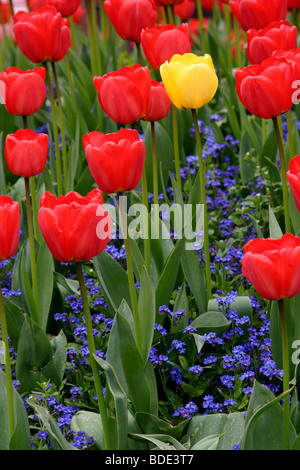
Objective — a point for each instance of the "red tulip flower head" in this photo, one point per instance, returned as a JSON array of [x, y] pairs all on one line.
[[293, 176], [165, 3], [257, 13], [65, 7], [116, 160], [35, 4], [5, 12], [273, 266], [24, 91], [43, 35], [26, 152], [266, 89], [130, 17], [160, 102], [293, 4], [185, 9], [124, 95], [161, 42], [9, 227], [292, 56], [278, 35], [75, 228]]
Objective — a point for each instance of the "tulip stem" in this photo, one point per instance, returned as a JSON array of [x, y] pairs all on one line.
[[95, 53], [92, 351], [139, 53], [8, 374], [237, 36], [228, 31], [32, 248], [69, 73], [146, 228], [132, 288], [283, 176], [176, 146], [285, 360], [55, 132], [61, 120], [290, 134], [155, 179], [203, 200], [200, 18]]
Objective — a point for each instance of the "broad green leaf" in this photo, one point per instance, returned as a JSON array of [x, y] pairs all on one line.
[[26, 288], [45, 269], [162, 441], [14, 319], [230, 426], [120, 420], [153, 424], [147, 313], [195, 277], [264, 421], [21, 437], [89, 422], [211, 322], [113, 280], [208, 443], [275, 230], [34, 357]]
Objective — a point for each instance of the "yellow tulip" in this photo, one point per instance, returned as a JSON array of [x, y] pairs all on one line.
[[190, 80]]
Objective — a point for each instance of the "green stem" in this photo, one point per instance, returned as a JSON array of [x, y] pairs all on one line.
[[228, 32], [132, 288], [61, 120], [285, 360], [96, 37], [176, 146], [92, 351], [146, 228], [201, 25], [290, 134], [283, 176], [12, 7], [203, 200], [155, 179], [55, 132], [91, 37], [8, 374], [238, 52], [32, 248], [139, 53], [104, 24], [69, 73]]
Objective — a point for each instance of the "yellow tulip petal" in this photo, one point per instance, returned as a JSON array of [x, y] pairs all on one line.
[[192, 59], [169, 75], [196, 86]]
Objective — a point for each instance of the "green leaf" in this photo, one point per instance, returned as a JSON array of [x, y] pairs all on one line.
[[34, 357], [195, 278], [168, 277], [113, 280], [45, 270], [56, 437], [14, 319], [162, 441], [211, 321], [26, 288], [230, 426], [21, 437], [89, 422], [147, 313], [120, 419], [264, 421], [208, 443], [275, 230], [153, 424]]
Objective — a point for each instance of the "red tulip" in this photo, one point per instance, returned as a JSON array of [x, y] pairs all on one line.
[[185, 9], [65, 7], [266, 89], [116, 160], [75, 228], [273, 266], [293, 4], [26, 152], [131, 17], [160, 102], [9, 227], [5, 12], [293, 176], [278, 35], [257, 13], [25, 91], [161, 42], [42, 35], [35, 4], [291, 55], [124, 95]]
